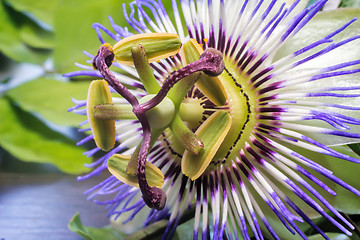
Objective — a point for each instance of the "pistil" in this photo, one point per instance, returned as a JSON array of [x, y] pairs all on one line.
[[210, 62]]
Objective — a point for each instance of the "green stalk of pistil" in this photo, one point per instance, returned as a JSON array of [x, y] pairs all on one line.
[[181, 132]]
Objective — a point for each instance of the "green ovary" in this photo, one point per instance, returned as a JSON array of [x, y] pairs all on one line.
[[241, 102], [191, 112]]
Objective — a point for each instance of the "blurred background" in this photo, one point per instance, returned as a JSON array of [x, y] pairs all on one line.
[[39, 160]]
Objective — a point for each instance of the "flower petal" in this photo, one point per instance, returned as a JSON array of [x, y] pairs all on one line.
[[320, 26], [346, 107]]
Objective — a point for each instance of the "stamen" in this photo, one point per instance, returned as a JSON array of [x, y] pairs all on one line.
[[144, 70], [113, 112], [188, 138]]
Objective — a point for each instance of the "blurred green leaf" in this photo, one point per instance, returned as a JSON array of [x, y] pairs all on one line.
[[311, 2], [35, 36], [345, 201], [149, 231], [42, 10], [156, 230], [185, 231], [332, 236], [350, 3], [355, 147], [51, 99], [29, 139], [91, 233], [7, 66], [10, 40], [74, 32]]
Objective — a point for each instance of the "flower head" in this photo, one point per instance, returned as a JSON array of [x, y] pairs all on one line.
[[205, 116]]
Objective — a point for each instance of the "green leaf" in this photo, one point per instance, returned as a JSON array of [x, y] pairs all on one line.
[[92, 233], [28, 139], [10, 40], [149, 231], [345, 201], [320, 26], [185, 231], [74, 33], [7, 67], [332, 236], [51, 99], [42, 10], [355, 147], [311, 2], [350, 3], [35, 36], [155, 230]]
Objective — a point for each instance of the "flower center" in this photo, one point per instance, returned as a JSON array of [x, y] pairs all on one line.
[[192, 111], [209, 62], [240, 104], [204, 114]]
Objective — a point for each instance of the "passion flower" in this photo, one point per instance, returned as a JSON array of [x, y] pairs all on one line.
[[236, 128]]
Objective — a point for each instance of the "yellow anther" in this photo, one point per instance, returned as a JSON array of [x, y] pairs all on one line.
[[157, 45]]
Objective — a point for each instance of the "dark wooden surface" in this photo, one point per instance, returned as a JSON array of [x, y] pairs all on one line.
[[36, 206]]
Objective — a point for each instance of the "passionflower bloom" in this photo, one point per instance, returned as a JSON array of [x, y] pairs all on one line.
[[202, 116]]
